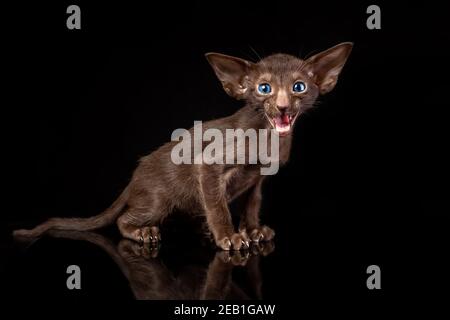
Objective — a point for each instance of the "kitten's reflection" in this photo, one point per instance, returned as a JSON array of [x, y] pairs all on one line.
[[150, 278]]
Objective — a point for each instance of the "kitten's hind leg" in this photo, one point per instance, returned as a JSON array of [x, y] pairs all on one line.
[[135, 224]]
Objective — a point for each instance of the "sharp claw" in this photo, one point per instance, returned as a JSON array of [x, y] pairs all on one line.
[[258, 238], [224, 244]]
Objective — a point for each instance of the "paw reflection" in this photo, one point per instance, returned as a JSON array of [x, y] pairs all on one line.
[[263, 248], [128, 249], [202, 274], [236, 258]]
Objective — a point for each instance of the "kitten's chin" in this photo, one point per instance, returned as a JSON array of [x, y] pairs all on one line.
[[282, 124]]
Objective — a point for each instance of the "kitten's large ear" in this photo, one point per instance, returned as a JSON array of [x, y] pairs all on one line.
[[325, 66], [231, 72]]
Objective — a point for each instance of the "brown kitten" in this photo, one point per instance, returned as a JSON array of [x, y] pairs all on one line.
[[277, 90]]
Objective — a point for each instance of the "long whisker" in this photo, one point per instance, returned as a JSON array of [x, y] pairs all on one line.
[[300, 67], [256, 53]]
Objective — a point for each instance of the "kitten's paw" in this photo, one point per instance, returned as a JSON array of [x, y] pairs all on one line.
[[237, 241], [263, 233], [155, 235], [240, 241], [148, 235], [224, 243]]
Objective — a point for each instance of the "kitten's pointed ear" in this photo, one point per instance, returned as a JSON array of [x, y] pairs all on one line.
[[231, 72], [325, 66]]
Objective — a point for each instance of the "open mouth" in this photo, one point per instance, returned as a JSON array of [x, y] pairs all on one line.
[[282, 123]]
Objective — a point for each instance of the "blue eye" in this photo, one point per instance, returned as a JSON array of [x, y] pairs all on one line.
[[264, 88], [299, 86]]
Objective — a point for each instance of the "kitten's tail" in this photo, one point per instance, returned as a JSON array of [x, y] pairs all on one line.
[[79, 224]]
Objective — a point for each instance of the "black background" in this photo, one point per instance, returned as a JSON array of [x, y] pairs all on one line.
[[363, 183]]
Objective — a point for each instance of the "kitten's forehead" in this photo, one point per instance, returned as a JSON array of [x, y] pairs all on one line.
[[280, 64]]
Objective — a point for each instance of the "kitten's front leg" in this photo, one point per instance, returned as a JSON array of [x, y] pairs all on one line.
[[218, 217], [250, 217]]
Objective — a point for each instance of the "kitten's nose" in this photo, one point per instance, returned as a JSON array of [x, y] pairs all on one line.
[[282, 108], [282, 101]]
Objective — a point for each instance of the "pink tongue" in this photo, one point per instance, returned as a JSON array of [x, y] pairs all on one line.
[[285, 119], [282, 121]]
